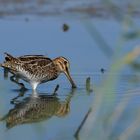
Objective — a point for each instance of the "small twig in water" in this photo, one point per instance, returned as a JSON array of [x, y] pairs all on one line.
[[76, 135], [88, 88]]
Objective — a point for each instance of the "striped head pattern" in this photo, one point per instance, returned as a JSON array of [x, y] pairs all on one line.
[[63, 66], [61, 63]]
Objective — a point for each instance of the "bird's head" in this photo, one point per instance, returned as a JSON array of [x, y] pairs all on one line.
[[63, 66]]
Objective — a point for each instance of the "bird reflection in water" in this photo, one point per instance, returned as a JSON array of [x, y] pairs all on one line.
[[36, 108]]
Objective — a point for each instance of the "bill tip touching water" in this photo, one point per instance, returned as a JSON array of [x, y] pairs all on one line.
[[36, 69]]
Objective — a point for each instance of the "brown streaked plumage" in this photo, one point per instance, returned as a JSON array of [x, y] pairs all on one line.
[[37, 69]]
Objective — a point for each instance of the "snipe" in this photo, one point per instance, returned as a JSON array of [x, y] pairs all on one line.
[[36, 69]]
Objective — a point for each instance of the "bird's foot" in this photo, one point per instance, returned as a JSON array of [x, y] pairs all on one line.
[[22, 87]]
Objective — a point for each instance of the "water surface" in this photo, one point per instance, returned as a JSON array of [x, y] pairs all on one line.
[[90, 45]]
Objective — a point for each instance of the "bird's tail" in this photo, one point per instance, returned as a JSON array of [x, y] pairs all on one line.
[[9, 57], [10, 62]]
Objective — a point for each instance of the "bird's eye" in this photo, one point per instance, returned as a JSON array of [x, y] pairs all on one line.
[[65, 62]]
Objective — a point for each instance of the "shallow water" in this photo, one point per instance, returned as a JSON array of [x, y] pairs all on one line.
[[89, 44]]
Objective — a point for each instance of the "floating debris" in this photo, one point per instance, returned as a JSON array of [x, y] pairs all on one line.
[[88, 85], [102, 70], [65, 27]]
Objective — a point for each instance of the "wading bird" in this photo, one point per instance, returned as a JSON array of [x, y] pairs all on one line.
[[36, 69]]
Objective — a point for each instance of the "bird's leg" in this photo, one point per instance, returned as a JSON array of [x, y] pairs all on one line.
[[21, 94], [56, 89], [5, 73], [15, 80]]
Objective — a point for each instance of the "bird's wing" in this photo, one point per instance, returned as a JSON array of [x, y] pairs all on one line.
[[27, 58], [39, 66]]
